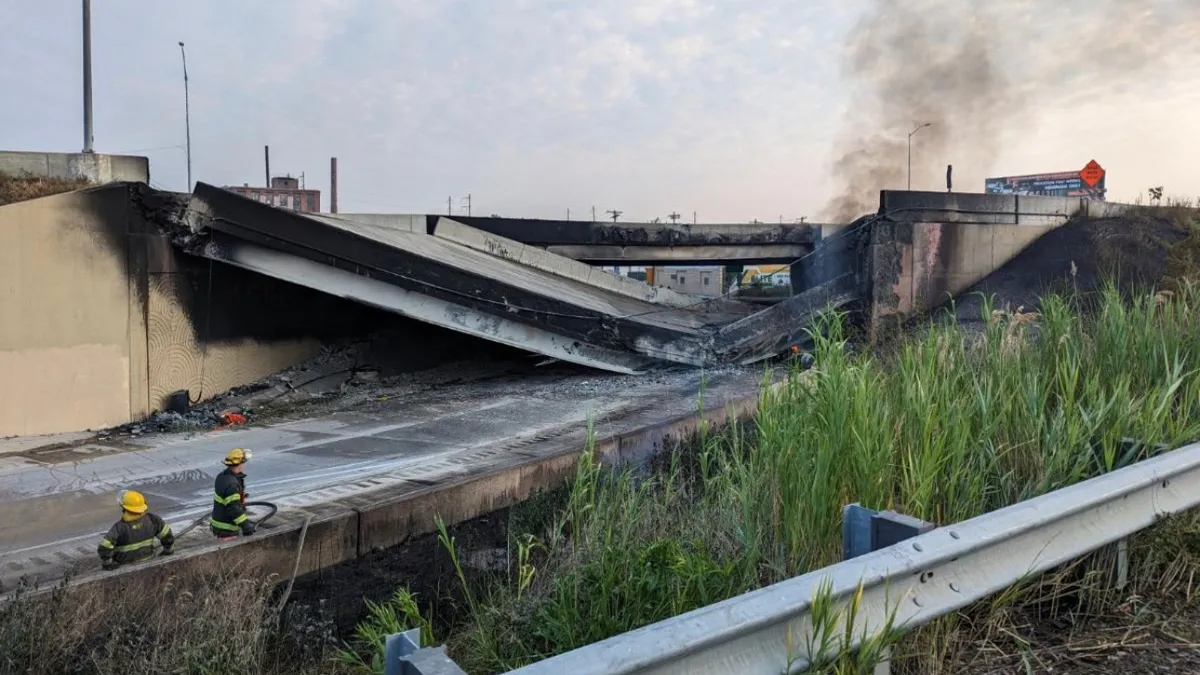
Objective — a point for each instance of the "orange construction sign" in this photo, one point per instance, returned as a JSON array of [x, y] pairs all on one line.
[[1092, 174]]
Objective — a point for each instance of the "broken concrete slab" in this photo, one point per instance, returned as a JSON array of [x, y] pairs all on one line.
[[472, 282]]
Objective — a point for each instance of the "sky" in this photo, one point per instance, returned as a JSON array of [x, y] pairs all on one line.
[[733, 110]]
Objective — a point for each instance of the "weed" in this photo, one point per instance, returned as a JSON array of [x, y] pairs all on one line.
[[206, 622], [395, 615]]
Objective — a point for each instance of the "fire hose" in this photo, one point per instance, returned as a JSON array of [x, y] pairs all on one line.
[[273, 509], [199, 521]]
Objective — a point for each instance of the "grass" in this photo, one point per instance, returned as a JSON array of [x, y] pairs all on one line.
[[23, 187], [949, 425], [211, 622]]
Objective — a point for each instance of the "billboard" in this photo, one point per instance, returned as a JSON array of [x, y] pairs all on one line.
[[1087, 182]]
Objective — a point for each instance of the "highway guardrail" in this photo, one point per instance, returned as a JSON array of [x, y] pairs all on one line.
[[766, 631]]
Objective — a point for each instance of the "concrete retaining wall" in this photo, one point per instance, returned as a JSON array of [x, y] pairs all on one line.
[[101, 318], [95, 168], [65, 320], [928, 247]]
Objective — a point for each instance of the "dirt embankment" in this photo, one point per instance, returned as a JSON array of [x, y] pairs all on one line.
[[1151, 250]]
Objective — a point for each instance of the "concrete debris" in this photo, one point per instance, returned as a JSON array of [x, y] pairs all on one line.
[[166, 422]]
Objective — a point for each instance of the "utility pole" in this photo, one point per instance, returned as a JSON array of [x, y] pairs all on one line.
[[593, 214], [614, 213], [449, 206], [267, 164], [467, 201], [87, 76], [568, 214], [910, 135], [674, 217], [187, 116], [693, 217]]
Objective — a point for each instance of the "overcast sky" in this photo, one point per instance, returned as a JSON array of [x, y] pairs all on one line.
[[730, 108]]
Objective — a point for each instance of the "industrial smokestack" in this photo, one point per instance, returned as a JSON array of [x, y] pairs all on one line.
[[333, 184], [267, 161]]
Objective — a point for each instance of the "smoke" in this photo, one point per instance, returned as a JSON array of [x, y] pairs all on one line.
[[975, 70]]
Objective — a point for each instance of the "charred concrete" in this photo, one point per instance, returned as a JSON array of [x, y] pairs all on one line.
[[314, 240], [540, 232], [774, 330], [138, 226]]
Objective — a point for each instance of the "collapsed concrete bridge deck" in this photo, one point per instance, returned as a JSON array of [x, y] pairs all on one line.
[[442, 271]]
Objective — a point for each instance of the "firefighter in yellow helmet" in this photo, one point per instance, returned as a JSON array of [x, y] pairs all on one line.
[[131, 539], [229, 498]]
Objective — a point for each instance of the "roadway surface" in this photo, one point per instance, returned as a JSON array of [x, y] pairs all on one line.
[[59, 501]]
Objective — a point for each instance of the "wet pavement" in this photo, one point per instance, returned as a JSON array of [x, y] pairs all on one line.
[[59, 501]]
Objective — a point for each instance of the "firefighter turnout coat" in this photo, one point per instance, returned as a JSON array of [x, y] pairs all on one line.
[[131, 539], [229, 511]]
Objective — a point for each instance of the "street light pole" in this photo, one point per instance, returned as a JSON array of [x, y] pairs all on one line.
[[87, 76], [187, 117], [910, 135]]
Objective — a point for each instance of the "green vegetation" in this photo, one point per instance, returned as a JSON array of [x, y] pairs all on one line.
[[949, 425]]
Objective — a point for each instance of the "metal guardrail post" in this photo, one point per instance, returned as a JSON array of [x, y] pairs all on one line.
[[866, 531], [403, 655]]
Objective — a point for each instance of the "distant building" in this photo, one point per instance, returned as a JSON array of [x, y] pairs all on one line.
[[285, 193], [694, 280]]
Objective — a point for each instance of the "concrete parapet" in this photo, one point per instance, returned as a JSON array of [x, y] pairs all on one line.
[[92, 167], [972, 208]]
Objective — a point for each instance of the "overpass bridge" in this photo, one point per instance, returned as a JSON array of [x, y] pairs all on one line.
[[599, 243]]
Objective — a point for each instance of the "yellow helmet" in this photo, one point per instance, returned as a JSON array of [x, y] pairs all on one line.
[[237, 456], [131, 501]]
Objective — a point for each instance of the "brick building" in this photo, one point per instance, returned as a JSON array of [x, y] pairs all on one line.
[[285, 192]]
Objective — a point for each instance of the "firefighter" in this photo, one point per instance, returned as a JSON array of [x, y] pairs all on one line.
[[229, 501], [131, 539]]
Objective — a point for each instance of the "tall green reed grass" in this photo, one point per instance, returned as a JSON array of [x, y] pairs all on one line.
[[949, 424]]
